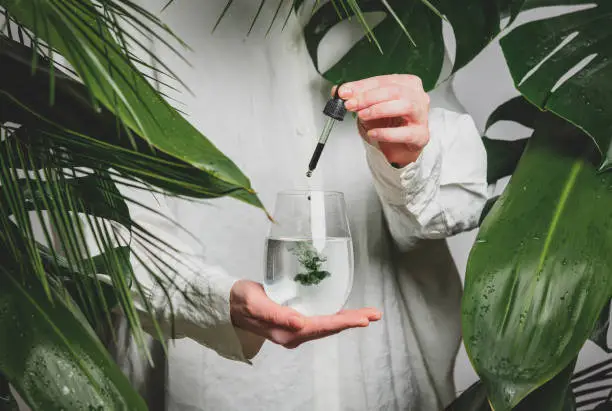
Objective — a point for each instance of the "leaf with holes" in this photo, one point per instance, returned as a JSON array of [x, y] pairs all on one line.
[[504, 155], [475, 24], [537, 276], [541, 54]]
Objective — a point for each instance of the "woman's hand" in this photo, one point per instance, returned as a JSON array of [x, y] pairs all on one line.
[[253, 311], [393, 111]]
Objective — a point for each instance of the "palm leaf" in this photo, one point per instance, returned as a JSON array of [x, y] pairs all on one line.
[[85, 37]]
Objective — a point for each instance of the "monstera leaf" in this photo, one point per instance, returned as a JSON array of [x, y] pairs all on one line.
[[537, 277], [541, 54], [409, 36]]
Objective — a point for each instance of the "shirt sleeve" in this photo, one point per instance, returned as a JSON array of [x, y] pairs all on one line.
[[197, 294], [444, 191]]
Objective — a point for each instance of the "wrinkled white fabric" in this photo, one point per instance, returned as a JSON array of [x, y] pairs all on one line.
[[427, 199], [255, 99]]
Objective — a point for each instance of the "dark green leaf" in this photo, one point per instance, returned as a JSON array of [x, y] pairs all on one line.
[[600, 333], [537, 277], [517, 110], [584, 98], [502, 157], [555, 395], [53, 358], [472, 399], [7, 401], [80, 34], [487, 208], [400, 56], [475, 23]]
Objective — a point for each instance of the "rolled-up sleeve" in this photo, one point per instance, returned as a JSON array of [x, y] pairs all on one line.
[[444, 191], [195, 293]]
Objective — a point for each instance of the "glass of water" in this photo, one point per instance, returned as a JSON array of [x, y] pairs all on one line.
[[309, 252]]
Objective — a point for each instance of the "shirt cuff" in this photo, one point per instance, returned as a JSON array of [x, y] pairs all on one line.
[[198, 298], [412, 187], [207, 320]]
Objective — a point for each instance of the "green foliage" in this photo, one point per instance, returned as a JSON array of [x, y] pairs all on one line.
[[70, 137], [540, 55], [538, 283]]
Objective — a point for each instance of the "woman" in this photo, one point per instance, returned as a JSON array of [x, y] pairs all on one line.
[[415, 176]]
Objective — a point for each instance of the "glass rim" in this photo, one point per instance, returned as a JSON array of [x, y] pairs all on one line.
[[296, 192]]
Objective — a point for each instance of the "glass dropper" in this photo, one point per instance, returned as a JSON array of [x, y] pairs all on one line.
[[335, 110]]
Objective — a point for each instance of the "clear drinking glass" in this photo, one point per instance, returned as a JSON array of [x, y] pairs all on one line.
[[309, 252]]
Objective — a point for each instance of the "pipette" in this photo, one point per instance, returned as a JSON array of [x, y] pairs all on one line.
[[335, 110]]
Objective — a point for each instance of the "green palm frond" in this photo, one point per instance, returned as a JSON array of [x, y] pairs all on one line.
[[79, 120]]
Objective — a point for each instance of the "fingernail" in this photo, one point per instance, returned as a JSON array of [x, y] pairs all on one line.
[[364, 322], [350, 104], [372, 133], [296, 322], [345, 91]]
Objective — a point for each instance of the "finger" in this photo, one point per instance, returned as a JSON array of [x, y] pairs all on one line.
[[324, 326], [390, 109], [278, 316], [350, 89], [368, 98], [320, 327], [412, 136], [338, 322]]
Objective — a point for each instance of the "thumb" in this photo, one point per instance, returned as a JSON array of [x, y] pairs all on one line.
[[270, 312]]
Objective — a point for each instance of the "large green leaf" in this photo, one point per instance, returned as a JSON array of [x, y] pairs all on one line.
[[80, 33], [539, 56], [537, 277], [504, 155], [517, 110], [53, 358], [475, 23], [399, 54]]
